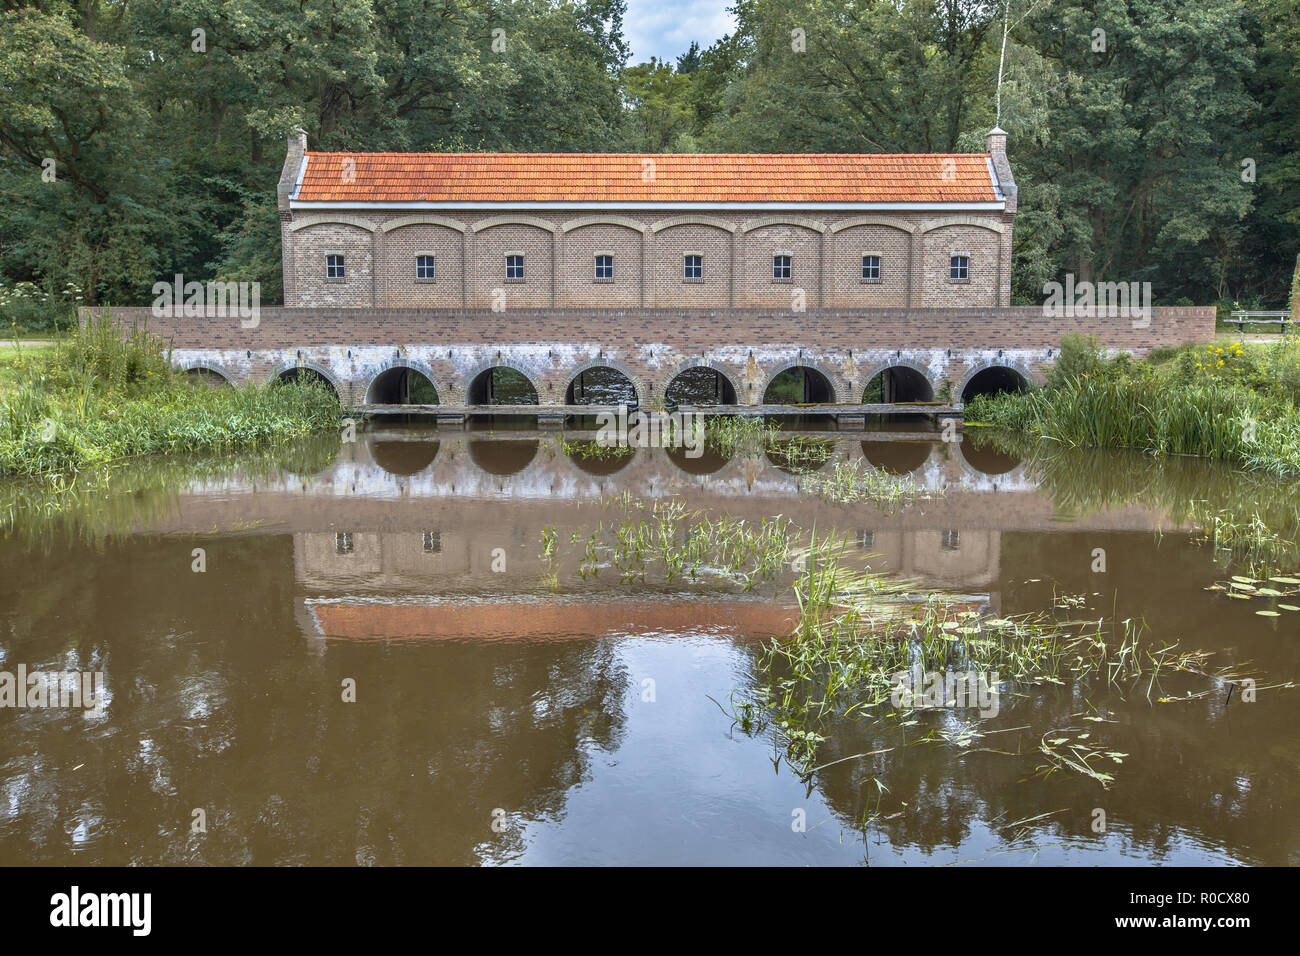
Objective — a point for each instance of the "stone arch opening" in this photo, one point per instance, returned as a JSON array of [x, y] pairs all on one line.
[[800, 455], [896, 457], [798, 385], [601, 385], [501, 385], [699, 385], [503, 458], [708, 463], [599, 460], [306, 375], [994, 380], [401, 385], [205, 375], [898, 383], [402, 458], [989, 460]]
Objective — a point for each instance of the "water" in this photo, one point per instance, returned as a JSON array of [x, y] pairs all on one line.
[[500, 718]]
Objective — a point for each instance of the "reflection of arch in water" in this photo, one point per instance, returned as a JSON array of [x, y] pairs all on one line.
[[206, 373], [401, 458], [503, 457], [402, 383], [992, 379], [799, 456], [988, 460], [896, 457], [709, 462], [699, 385], [501, 384], [797, 383], [898, 382], [599, 460], [307, 372], [602, 383]]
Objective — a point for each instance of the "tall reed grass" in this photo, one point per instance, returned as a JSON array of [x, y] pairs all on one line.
[[100, 397]]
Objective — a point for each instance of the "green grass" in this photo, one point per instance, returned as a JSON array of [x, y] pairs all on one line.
[[14, 362], [96, 398], [1232, 402]]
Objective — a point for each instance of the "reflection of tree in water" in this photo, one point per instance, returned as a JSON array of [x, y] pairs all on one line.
[[310, 455], [220, 702]]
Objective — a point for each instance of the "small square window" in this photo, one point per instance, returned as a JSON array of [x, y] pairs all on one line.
[[871, 267], [514, 267], [433, 542], [426, 267], [950, 541], [334, 266], [959, 268], [780, 267], [866, 540], [604, 267], [693, 267], [343, 542]]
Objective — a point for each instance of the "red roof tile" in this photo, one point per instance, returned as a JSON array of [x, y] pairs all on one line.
[[630, 177]]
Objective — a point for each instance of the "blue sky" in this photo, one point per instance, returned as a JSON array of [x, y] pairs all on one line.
[[665, 28]]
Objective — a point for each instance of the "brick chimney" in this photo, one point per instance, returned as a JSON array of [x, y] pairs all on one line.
[[996, 146], [289, 173]]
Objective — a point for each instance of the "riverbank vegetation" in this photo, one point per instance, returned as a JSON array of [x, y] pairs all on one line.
[[94, 399], [1230, 401]]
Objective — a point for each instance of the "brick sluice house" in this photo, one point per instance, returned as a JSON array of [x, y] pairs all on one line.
[[850, 269]]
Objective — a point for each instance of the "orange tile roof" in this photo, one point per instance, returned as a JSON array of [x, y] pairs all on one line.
[[632, 177]]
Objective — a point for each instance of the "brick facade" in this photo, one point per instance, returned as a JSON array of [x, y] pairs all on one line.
[[749, 347], [913, 240], [648, 253]]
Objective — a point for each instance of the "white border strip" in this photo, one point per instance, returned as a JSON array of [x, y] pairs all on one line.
[[999, 205], [297, 186], [993, 176]]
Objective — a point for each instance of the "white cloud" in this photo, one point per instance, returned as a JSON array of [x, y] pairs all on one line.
[[666, 28]]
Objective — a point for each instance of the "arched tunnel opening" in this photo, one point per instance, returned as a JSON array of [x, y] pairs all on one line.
[[994, 381], [899, 383], [601, 385], [503, 457], [699, 385], [302, 375], [401, 455], [798, 385], [401, 386], [501, 385], [208, 377], [597, 459], [896, 457]]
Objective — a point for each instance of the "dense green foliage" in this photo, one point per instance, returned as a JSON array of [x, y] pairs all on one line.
[[1233, 402], [166, 143], [94, 399]]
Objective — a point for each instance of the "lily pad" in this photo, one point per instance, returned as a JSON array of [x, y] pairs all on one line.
[[1286, 580], [1268, 614]]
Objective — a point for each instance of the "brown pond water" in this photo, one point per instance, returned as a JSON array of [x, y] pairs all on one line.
[[586, 717]]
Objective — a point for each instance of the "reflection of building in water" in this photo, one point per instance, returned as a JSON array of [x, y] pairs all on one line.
[[951, 558], [401, 512], [404, 561]]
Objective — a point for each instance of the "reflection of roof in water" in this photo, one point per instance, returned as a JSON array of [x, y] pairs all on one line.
[[360, 619]]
